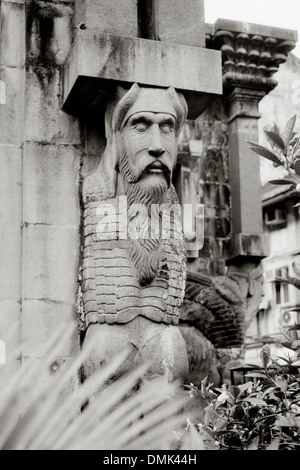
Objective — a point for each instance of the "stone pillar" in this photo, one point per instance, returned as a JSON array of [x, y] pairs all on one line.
[[251, 54], [12, 81], [245, 176]]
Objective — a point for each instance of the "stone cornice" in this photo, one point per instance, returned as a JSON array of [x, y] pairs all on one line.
[[98, 62], [251, 53]]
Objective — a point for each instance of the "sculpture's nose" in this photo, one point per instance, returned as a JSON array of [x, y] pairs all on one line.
[[156, 148]]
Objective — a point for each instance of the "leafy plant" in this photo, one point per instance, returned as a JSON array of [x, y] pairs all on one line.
[[99, 414], [285, 153], [263, 414]]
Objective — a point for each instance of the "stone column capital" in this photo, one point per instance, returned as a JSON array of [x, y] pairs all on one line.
[[251, 53]]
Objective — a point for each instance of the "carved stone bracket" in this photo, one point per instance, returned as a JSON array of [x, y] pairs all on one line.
[[149, 42], [99, 62]]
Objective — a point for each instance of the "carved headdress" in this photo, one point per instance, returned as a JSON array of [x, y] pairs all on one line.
[[156, 100], [121, 106]]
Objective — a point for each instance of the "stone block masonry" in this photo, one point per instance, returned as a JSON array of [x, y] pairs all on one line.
[[99, 61], [51, 178], [210, 175], [179, 24], [12, 49], [40, 163], [12, 77], [113, 17]]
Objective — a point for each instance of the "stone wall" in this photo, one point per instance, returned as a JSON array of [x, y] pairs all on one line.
[[12, 54], [40, 163], [204, 147]]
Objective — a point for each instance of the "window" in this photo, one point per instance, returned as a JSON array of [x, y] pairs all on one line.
[[262, 322], [281, 289], [276, 218]]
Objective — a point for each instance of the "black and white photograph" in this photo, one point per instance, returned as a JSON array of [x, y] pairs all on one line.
[[149, 229]]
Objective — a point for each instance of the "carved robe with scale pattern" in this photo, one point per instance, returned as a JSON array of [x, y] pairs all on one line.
[[124, 277]]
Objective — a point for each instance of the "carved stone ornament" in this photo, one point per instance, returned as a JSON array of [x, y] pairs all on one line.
[[249, 58], [134, 263]]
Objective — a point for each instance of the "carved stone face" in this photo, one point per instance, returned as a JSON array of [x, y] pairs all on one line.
[[150, 145]]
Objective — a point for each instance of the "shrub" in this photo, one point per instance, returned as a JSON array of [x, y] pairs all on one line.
[[263, 414]]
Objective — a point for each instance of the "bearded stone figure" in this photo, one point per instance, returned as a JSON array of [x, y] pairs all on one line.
[[134, 264]]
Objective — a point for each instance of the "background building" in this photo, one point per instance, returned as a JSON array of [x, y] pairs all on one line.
[[281, 222]]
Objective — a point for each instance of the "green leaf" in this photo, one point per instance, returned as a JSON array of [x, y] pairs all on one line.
[[275, 128], [289, 280], [288, 130], [282, 182], [234, 390], [282, 383], [263, 152], [296, 166], [286, 345], [254, 144], [297, 325], [294, 281], [284, 359], [281, 279], [244, 387], [255, 401], [276, 139], [296, 344], [296, 268], [265, 354], [115, 414]]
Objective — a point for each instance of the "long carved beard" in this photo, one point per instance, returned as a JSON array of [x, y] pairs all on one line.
[[145, 244]]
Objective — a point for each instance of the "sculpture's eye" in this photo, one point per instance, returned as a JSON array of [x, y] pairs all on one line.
[[166, 129], [141, 127]]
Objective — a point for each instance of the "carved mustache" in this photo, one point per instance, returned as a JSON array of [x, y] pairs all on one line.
[[150, 163], [158, 165], [144, 167]]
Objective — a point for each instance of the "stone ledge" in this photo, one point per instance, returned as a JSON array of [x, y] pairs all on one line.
[[98, 62]]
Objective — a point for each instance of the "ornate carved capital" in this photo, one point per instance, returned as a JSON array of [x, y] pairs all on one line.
[[251, 54]]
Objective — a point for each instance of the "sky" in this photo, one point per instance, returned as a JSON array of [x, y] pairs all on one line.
[[280, 13]]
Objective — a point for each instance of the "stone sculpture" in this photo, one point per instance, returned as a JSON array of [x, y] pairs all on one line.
[[134, 264]]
